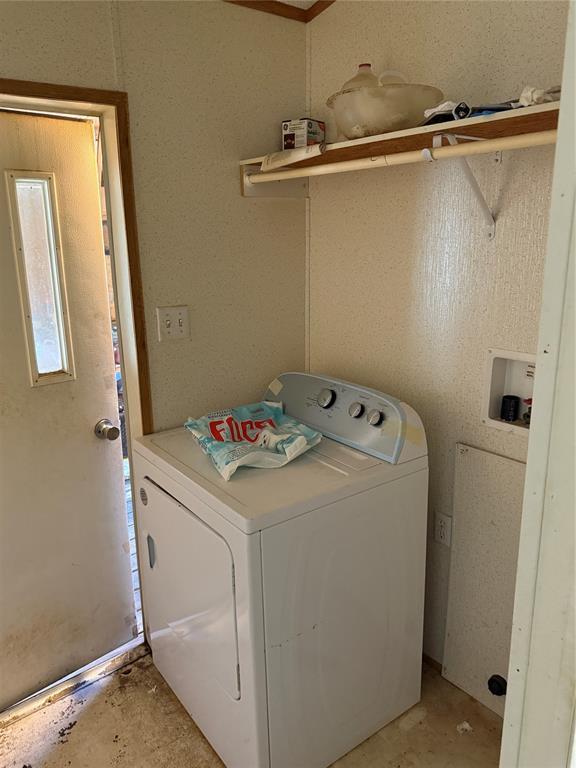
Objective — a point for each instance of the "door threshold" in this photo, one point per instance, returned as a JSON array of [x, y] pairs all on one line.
[[75, 681]]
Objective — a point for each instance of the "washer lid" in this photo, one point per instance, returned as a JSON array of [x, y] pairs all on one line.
[[253, 498]]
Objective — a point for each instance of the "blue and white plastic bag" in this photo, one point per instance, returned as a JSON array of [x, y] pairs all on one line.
[[257, 435]]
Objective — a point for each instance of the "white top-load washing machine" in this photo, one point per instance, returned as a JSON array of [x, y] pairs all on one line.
[[284, 607]]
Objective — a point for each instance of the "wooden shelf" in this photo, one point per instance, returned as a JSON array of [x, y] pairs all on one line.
[[521, 121], [514, 129]]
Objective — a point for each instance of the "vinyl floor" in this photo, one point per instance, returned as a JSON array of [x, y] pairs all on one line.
[[131, 719]]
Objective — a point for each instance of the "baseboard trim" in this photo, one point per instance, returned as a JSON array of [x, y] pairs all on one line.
[[429, 661], [99, 668], [126, 654]]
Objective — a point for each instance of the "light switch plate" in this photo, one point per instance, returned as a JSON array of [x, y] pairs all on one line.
[[173, 323]]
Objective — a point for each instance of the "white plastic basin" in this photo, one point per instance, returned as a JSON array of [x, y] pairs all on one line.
[[364, 112]]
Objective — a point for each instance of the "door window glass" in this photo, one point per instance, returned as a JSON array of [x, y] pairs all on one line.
[[41, 280]]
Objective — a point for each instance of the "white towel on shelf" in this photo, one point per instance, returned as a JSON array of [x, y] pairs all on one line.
[[280, 159], [531, 96]]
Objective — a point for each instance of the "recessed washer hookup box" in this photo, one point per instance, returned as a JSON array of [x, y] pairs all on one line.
[[302, 133]]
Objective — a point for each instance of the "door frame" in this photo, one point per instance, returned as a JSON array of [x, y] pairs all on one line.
[[539, 719], [111, 107]]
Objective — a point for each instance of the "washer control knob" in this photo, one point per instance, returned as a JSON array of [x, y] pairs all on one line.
[[375, 418], [326, 398], [356, 410]]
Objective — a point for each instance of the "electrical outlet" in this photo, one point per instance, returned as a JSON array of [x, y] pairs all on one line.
[[443, 529], [173, 323]]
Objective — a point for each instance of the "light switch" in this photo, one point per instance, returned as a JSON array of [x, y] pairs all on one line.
[[173, 323]]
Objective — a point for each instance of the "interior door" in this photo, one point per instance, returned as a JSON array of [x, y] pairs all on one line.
[[65, 584]]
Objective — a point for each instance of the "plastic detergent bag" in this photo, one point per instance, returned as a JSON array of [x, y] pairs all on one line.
[[257, 435]]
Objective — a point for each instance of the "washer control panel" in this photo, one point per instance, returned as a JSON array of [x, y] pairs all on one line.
[[362, 418]]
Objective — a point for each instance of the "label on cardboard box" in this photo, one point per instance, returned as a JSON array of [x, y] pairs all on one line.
[[302, 133]]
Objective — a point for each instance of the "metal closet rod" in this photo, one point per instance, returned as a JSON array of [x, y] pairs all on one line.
[[467, 149]]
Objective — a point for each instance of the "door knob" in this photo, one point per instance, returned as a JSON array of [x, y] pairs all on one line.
[[105, 430]]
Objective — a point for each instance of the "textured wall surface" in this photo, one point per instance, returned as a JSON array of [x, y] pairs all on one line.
[[406, 293], [208, 84], [61, 42]]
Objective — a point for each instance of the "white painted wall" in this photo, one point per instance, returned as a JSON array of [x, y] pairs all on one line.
[[405, 292], [208, 83]]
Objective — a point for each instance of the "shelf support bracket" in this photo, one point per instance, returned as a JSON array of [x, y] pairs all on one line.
[[471, 179]]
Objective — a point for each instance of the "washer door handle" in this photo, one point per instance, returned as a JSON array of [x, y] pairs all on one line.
[[151, 550]]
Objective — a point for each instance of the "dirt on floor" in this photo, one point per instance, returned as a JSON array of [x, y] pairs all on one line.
[[131, 719]]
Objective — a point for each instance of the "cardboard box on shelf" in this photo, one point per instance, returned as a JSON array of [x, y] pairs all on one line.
[[302, 133]]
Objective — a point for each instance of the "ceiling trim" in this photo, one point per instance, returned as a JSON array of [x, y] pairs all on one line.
[[317, 8], [283, 9]]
